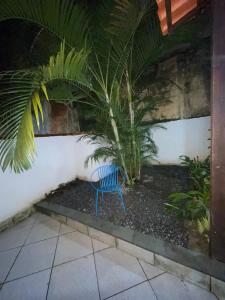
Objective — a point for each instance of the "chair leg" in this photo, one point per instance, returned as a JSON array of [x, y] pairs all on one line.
[[102, 199], [96, 204], [122, 202]]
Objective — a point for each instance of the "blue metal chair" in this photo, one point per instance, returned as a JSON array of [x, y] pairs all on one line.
[[108, 176]]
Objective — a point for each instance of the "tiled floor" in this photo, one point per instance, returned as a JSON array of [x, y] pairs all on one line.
[[43, 259]]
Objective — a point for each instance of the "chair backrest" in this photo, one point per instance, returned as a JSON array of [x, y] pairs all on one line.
[[108, 175]]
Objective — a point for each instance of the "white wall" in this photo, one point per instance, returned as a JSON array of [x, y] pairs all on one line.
[[182, 137], [61, 159]]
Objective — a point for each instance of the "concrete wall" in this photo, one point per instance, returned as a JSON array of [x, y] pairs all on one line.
[[61, 159], [182, 90], [182, 137]]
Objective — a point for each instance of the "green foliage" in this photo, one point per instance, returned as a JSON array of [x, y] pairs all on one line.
[[199, 171], [69, 66], [60, 17], [194, 205], [203, 226], [17, 148], [144, 151], [103, 56]]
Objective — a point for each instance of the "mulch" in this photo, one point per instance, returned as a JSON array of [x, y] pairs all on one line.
[[145, 203]]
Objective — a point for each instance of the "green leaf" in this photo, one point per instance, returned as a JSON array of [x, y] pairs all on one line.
[[37, 108], [61, 17], [71, 67], [17, 147]]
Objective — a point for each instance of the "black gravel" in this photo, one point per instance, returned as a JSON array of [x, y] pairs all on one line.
[[146, 211]]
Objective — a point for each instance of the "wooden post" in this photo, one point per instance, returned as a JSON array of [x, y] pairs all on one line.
[[217, 243]]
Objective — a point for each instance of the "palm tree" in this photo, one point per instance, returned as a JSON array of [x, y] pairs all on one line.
[[103, 57]]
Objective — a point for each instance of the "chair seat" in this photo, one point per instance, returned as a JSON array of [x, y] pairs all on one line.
[[110, 188]]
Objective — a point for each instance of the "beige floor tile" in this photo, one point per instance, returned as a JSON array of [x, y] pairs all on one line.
[[75, 280], [117, 271]]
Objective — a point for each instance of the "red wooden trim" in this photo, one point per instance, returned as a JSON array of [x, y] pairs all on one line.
[[168, 15], [171, 17]]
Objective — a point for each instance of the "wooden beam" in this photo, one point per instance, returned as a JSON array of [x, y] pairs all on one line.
[[217, 242], [168, 15]]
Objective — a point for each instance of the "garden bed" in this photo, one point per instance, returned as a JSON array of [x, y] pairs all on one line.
[[146, 210]]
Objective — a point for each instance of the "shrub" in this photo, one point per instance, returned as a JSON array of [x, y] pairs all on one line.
[[193, 205]]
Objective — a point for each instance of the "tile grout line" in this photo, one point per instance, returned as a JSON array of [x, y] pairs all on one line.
[[24, 276], [157, 276], [152, 287], [96, 273], [133, 286], [24, 243], [36, 242], [142, 268], [75, 259], [9, 249], [32, 225], [63, 263], [50, 277], [148, 278], [52, 237], [32, 243], [19, 251]]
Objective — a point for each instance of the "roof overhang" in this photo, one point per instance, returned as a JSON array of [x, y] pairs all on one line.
[[172, 12]]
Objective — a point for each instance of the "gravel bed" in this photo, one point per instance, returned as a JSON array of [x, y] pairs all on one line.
[[146, 211]]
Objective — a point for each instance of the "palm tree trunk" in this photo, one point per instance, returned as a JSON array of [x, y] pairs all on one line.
[[117, 138], [136, 164]]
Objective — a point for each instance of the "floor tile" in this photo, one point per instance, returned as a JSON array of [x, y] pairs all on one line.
[[43, 229], [197, 293], [33, 287], [65, 229], [142, 291], [117, 271], [43, 217], [16, 236], [71, 246], [34, 258], [75, 280], [168, 287], [150, 270], [6, 261], [97, 245]]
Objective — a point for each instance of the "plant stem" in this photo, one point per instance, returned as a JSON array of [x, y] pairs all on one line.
[[131, 113], [116, 134]]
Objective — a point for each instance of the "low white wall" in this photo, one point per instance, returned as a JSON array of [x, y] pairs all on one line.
[[182, 137], [61, 159]]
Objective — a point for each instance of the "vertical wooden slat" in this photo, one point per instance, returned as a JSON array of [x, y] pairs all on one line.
[[218, 133], [168, 15]]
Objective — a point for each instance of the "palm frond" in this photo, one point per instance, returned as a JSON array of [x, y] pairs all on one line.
[[19, 97], [125, 18], [71, 66], [20, 92], [136, 29], [61, 17]]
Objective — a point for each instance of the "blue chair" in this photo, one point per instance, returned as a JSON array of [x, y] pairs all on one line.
[[108, 176]]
